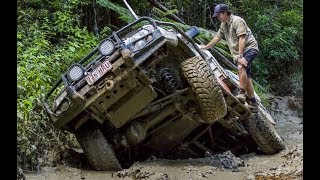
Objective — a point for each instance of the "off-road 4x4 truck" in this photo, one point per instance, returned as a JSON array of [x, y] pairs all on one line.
[[149, 89]]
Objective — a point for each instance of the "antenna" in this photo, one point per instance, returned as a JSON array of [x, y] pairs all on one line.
[[130, 9]]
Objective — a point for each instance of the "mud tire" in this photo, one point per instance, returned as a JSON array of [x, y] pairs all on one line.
[[264, 133], [207, 91], [96, 147]]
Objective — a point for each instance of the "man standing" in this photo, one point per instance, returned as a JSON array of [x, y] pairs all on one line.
[[243, 47]]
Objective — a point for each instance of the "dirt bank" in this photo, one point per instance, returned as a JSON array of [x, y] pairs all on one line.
[[287, 112]]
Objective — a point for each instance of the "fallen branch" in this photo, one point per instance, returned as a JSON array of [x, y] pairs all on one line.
[[161, 7]]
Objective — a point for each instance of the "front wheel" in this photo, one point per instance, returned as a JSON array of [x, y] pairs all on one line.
[[209, 96], [96, 147], [264, 133]]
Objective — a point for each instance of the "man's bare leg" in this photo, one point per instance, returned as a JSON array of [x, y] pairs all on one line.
[[245, 82], [243, 78], [249, 88], [252, 105], [242, 83]]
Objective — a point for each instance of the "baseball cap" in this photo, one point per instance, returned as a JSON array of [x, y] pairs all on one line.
[[219, 8]]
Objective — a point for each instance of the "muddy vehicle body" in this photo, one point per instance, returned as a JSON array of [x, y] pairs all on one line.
[[149, 89]]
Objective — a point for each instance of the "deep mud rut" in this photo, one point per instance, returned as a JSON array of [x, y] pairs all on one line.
[[288, 164]]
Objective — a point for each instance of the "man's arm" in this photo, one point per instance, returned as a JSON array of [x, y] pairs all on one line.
[[242, 41], [213, 42]]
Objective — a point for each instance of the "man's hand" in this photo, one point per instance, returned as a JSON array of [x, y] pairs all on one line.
[[243, 61]]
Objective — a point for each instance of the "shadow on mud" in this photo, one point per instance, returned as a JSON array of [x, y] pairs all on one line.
[[77, 159]]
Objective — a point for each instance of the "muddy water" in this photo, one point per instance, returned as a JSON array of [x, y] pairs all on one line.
[[284, 165]]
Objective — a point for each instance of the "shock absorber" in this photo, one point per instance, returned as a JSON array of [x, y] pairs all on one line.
[[168, 81]]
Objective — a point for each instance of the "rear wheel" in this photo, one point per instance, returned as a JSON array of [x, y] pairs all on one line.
[[264, 133], [208, 93], [96, 147]]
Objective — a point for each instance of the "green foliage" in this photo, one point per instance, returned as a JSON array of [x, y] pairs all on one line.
[[296, 85], [158, 14], [37, 140], [172, 11], [263, 94], [280, 46], [222, 46], [47, 43], [277, 44], [122, 12], [105, 31]]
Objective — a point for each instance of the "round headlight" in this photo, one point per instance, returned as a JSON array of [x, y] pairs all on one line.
[[75, 72], [106, 47]]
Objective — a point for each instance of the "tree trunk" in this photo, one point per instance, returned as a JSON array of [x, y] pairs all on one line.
[[95, 24]]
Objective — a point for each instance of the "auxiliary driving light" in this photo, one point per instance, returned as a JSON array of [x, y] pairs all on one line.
[[106, 47], [75, 72]]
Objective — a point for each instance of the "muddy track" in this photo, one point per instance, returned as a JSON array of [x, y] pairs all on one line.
[[287, 164]]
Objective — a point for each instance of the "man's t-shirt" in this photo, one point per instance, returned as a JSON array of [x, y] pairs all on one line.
[[230, 32]]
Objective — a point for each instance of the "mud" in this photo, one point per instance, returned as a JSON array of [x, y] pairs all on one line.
[[288, 164]]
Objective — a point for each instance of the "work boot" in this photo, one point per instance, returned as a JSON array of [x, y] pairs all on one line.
[[253, 105], [241, 96]]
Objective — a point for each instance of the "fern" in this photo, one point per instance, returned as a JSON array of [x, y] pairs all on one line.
[[123, 12]]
